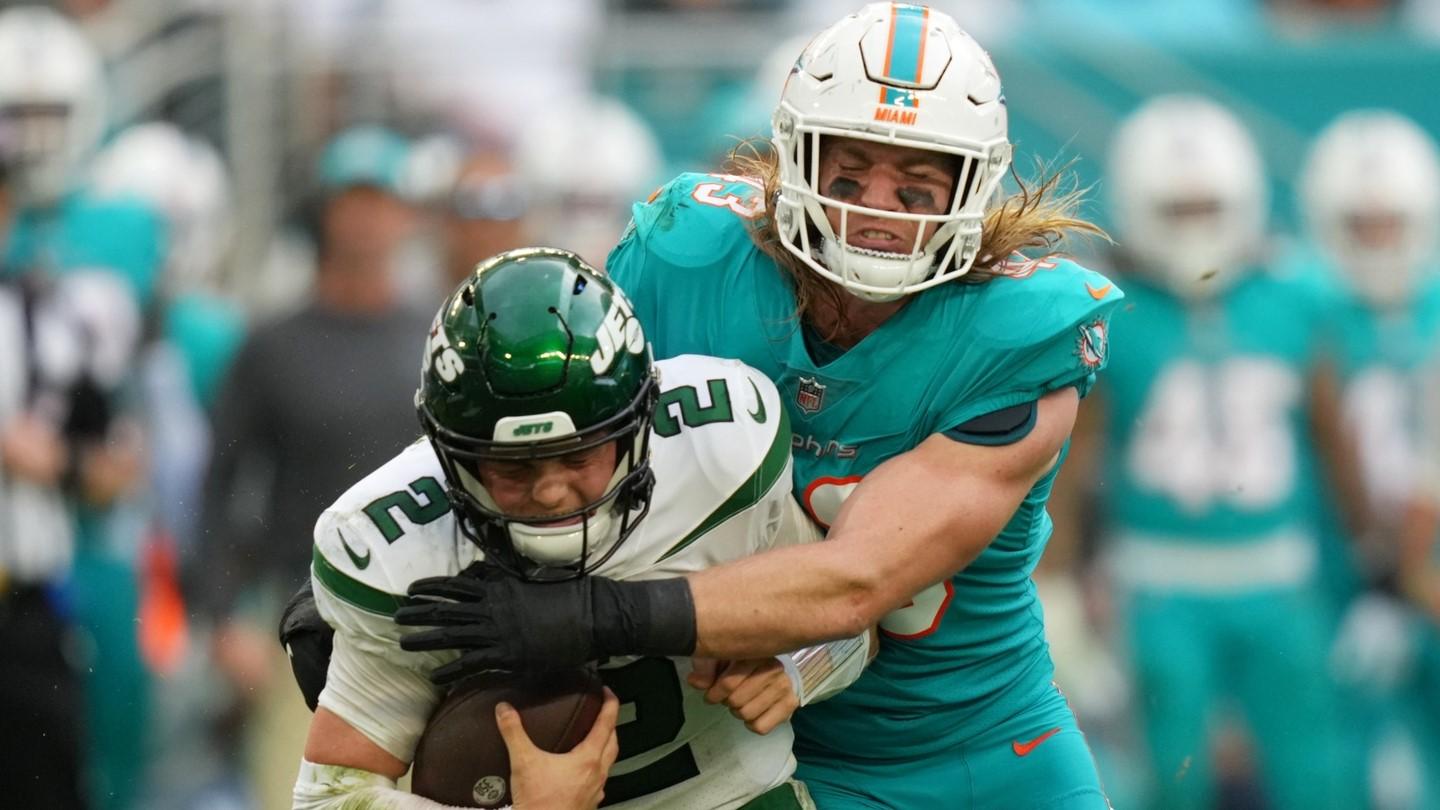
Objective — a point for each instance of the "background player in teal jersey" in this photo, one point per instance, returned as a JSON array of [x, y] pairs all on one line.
[[1371, 192], [867, 268], [1206, 418]]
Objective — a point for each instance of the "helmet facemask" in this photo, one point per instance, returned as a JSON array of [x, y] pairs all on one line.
[[904, 76], [553, 549], [875, 275]]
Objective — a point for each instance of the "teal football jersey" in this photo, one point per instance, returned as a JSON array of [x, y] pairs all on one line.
[[1207, 436], [123, 236], [1382, 356], [969, 650]]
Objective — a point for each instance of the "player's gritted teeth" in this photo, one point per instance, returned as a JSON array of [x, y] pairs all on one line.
[[875, 237]]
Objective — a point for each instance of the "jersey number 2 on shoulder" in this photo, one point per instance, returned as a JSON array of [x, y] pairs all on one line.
[[380, 510], [685, 400]]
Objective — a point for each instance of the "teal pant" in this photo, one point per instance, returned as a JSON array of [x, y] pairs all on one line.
[[116, 681], [1424, 715], [1263, 651], [1037, 760]]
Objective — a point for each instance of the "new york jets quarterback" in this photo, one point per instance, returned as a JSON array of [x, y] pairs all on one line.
[[556, 448]]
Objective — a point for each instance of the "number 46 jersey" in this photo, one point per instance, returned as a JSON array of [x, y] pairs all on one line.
[[720, 449]]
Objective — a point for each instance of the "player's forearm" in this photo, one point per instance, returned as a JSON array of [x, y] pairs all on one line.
[[914, 521], [335, 787], [779, 601], [897, 535]]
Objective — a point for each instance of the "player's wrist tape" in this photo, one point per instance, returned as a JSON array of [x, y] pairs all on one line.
[[656, 617], [822, 670]]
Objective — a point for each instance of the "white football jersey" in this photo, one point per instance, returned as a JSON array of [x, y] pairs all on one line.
[[720, 450]]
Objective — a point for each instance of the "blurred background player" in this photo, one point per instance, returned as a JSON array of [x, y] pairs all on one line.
[[1211, 422], [192, 332], [484, 209], [1370, 190], [39, 364], [582, 164]]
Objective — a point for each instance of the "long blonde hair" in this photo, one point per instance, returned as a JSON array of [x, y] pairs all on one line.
[[1042, 214]]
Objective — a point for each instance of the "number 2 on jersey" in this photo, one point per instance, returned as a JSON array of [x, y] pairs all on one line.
[[380, 510], [652, 687], [686, 400]]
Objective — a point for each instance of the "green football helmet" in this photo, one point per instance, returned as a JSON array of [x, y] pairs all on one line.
[[537, 354]]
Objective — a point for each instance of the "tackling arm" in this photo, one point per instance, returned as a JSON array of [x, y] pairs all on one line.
[[914, 521], [903, 529]]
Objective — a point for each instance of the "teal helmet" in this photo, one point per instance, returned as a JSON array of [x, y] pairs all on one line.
[[536, 355]]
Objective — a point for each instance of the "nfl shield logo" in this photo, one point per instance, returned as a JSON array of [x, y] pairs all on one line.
[[811, 395]]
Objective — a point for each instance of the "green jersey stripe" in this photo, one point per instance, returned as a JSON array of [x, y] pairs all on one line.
[[354, 591], [749, 493]]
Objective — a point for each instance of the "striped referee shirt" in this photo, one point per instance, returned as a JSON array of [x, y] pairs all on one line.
[[36, 533]]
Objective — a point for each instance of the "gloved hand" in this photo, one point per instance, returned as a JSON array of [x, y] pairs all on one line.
[[497, 621], [1375, 643], [308, 640]]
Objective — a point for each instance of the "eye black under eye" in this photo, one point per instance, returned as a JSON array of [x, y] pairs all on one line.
[[842, 188], [916, 198]]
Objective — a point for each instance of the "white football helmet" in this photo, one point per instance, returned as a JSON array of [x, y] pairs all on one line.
[[185, 179], [1188, 192], [52, 101], [1370, 190], [895, 74], [585, 162]]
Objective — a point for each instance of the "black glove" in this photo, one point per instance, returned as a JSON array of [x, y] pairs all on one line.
[[308, 640], [498, 622]]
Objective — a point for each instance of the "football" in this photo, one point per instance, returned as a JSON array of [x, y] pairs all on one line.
[[461, 758]]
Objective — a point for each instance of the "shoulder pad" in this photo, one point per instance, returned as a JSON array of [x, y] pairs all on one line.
[[1033, 300], [392, 528], [1040, 326], [698, 219], [722, 445]]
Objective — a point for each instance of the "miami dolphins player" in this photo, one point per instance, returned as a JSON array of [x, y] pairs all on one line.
[[1371, 192], [1208, 461], [556, 450], [932, 376]]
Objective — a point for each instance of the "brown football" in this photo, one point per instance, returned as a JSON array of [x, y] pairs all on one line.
[[461, 759]]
